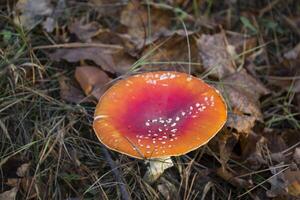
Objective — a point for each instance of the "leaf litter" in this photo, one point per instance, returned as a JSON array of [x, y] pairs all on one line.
[[114, 38]]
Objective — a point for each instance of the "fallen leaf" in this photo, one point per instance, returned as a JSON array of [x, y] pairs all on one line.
[[143, 25], [111, 8], [232, 179], [251, 150], [293, 182], [84, 32], [215, 57], [92, 80], [227, 142], [51, 21], [241, 43], [173, 50], [242, 92], [10, 194], [111, 58], [242, 123], [29, 13], [69, 92]]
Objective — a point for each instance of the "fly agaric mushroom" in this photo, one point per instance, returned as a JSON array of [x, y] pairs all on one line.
[[156, 115]]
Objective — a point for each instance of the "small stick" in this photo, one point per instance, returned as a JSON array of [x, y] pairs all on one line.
[[78, 45]]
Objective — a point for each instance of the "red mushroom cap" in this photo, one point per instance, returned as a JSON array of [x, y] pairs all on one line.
[[159, 114]]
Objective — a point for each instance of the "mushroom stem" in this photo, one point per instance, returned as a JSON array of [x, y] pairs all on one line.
[[156, 167]]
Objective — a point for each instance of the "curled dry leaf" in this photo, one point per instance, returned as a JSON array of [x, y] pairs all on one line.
[[143, 25], [92, 80], [31, 12], [214, 55], [111, 58]]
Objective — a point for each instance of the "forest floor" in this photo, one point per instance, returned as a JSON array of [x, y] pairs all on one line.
[[58, 57]]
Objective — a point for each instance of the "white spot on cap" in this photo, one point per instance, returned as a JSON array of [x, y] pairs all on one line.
[[174, 130]]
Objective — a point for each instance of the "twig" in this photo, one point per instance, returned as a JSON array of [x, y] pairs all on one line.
[[124, 193], [77, 45]]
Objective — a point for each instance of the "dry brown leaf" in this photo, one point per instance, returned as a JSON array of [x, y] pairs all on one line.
[[286, 76], [251, 150], [241, 43], [111, 58], [293, 182], [226, 141], [214, 55], [243, 92], [247, 84], [232, 179], [69, 92], [92, 80], [142, 25], [106, 36], [31, 12], [175, 51], [111, 8], [84, 32], [242, 123], [10, 194], [263, 149], [285, 183]]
